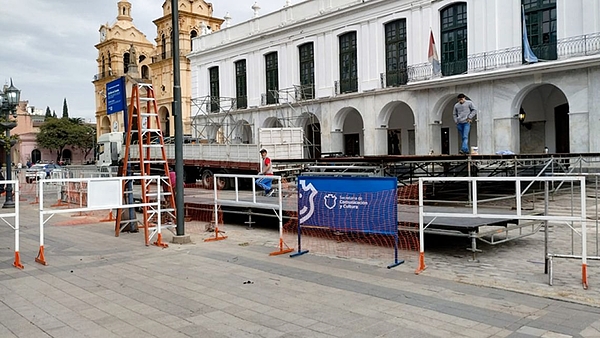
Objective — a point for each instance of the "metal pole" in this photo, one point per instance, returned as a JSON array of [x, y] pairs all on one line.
[[9, 203], [547, 261], [178, 119]]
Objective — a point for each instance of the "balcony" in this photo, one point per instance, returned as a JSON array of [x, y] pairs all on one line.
[[511, 57]]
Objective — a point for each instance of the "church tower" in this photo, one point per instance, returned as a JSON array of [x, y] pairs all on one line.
[[123, 50], [195, 18]]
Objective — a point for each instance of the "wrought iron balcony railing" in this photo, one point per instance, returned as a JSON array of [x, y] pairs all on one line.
[[583, 45]]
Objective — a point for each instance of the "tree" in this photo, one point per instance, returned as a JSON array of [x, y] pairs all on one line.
[[48, 113], [86, 139], [65, 109], [54, 113], [56, 134]]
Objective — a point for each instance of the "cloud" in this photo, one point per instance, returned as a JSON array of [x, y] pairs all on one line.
[[47, 46]]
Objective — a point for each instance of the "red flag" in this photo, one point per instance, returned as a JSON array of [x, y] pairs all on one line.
[[433, 56]]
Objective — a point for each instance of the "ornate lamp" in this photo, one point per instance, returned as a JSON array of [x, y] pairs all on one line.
[[10, 100]]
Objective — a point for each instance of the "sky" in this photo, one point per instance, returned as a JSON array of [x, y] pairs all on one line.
[[47, 46]]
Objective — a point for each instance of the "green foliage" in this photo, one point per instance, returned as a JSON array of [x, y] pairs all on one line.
[[7, 142], [48, 113], [54, 113], [56, 134], [86, 138], [65, 109]]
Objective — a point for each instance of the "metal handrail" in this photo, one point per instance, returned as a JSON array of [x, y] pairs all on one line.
[[582, 45]]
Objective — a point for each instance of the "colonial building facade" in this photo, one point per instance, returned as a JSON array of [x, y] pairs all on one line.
[[123, 50], [353, 72]]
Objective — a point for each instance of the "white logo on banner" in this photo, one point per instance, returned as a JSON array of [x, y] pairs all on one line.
[[330, 201], [307, 212]]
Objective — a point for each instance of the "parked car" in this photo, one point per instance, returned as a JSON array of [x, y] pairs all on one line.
[[40, 171]]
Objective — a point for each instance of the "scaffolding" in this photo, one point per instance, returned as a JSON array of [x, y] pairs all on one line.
[[218, 119]]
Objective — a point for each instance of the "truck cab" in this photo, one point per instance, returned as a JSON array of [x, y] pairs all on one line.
[[108, 149]]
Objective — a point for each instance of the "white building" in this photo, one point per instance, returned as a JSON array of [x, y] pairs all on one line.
[[349, 71]]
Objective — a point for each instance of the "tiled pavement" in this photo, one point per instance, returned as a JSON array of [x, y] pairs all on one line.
[[97, 285]]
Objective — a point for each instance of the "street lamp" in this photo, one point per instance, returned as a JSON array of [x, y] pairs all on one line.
[[9, 98]]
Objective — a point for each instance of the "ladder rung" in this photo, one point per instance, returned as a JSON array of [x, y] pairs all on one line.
[[153, 145], [147, 130], [147, 161], [154, 194], [146, 99], [148, 114]]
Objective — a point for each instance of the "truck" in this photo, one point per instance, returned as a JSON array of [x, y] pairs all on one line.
[[202, 159]]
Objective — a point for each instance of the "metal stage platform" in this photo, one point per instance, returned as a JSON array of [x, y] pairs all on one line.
[[490, 231], [448, 197], [408, 168]]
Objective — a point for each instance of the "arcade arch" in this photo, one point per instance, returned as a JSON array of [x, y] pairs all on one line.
[[165, 121], [104, 126], [349, 122], [446, 138], [312, 134], [400, 133], [242, 132], [546, 120], [272, 122]]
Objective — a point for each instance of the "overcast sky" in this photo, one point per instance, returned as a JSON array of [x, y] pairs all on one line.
[[47, 46]]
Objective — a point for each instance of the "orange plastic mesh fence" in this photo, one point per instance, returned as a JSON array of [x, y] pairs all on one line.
[[323, 240]]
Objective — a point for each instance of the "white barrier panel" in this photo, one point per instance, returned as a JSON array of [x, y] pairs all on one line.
[[473, 183], [15, 217], [240, 198], [104, 193]]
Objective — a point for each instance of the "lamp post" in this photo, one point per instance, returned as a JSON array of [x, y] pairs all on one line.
[[9, 98]]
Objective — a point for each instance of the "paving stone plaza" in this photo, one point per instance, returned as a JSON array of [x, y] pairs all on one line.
[[96, 285]]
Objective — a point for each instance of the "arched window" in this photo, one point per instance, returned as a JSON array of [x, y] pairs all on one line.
[[103, 74], [36, 156], [454, 39], [67, 156], [145, 72], [142, 58], [193, 34], [125, 62], [540, 17], [164, 47], [109, 65]]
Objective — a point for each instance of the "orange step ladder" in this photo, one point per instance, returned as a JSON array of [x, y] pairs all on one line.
[[145, 137]]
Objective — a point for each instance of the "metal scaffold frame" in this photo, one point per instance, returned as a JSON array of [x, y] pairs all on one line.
[[215, 120]]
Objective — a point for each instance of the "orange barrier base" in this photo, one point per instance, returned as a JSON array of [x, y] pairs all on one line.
[[283, 249], [40, 258], [281, 252], [60, 203], [159, 242], [17, 264], [110, 218], [217, 237], [422, 265], [584, 276], [37, 200]]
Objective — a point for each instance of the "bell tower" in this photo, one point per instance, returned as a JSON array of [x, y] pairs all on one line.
[[124, 11], [193, 16], [123, 50]]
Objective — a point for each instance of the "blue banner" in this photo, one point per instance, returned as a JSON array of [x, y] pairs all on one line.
[[349, 204], [116, 97]]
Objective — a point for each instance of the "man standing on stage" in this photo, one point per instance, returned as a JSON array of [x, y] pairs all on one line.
[[464, 113]]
